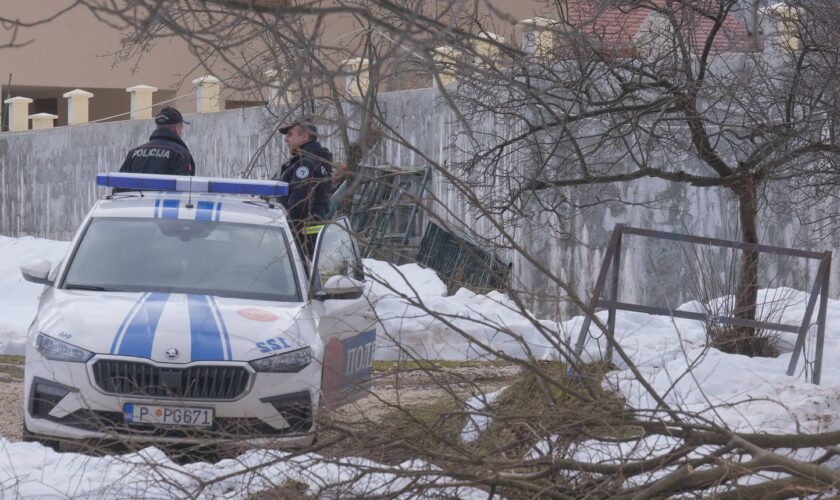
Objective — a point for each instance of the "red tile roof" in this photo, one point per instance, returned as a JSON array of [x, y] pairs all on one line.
[[616, 28]]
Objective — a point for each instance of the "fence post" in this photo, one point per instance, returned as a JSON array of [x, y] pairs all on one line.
[[616, 268], [487, 49], [18, 113], [141, 101], [537, 37], [357, 80], [207, 97], [78, 106], [42, 120], [787, 24], [446, 58]]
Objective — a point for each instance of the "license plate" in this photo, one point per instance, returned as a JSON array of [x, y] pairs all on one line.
[[168, 415]]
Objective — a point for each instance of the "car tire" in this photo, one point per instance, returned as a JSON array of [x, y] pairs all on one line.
[[28, 437]]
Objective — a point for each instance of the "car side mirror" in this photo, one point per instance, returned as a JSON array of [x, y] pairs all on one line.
[[37, 272], [341, 287]]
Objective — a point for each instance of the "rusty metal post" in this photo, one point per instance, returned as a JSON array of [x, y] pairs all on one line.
[[821, 317], [806, 319], [599, 286], [616, 267]]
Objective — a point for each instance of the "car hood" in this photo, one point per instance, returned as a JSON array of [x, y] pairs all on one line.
[[174, 327]]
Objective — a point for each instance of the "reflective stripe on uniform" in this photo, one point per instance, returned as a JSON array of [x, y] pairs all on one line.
[[312, 229]]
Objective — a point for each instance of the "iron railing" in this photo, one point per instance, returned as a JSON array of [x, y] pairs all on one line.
[[612, 261]]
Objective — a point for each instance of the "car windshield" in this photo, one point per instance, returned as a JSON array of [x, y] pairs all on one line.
[[184, 256]]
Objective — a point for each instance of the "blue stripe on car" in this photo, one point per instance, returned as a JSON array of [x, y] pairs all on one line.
[[218, 210], [205, 337], [204, 210], [128, 316], [140, 332], [170, 209], [225, 335]]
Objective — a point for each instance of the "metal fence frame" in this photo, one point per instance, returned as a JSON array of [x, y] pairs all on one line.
[[461, 262], [612, 260]]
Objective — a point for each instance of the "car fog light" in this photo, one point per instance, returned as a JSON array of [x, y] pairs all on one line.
[[288, 362], [296, 409], [59, 350], [45, 396]]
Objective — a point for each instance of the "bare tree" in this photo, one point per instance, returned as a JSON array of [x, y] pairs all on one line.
[[683, 91], [598, 101]]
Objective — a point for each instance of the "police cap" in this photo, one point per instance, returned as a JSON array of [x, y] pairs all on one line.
[[169, 116], [305, 123]]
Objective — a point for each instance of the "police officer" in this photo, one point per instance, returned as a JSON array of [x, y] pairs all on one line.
[[165, 153], [309, 175]]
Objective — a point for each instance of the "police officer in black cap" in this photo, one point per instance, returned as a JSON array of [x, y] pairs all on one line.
[[165, 153], [309, 175]]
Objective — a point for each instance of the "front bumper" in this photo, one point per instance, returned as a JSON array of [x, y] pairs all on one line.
[[64, 400]]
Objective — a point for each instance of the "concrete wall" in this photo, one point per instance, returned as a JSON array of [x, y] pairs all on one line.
[[47, 177], [47, 186]]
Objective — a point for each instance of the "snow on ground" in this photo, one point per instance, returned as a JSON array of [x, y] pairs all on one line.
[[30, 470], [747, 394], [403, 297], [478, 416], [19, 298]]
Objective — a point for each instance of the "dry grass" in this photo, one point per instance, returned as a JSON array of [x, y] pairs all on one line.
[[744, 341]]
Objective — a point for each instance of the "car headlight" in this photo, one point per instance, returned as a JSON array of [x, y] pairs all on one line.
[[288, 362], [58, 350]]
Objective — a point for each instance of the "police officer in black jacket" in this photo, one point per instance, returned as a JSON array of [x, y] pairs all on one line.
[[309, 175], [165, 153]]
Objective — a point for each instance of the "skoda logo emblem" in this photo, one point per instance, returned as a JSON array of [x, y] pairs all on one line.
[[172, 353]]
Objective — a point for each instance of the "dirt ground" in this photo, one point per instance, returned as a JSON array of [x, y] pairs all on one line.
[[391, 386], [412, 386], [11, 397]]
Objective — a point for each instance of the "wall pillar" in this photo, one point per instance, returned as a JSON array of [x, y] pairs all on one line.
[[537, 36], [208, 94], [446, 59], [487, 49], [78, 106], [18, 113], [358, 79], [141, 101], [273, 86], [43, 120], [277, 94], [787, 19]]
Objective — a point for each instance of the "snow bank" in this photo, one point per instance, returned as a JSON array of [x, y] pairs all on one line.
[[30, 470], [747, 394], [19, 298], [418, 321]]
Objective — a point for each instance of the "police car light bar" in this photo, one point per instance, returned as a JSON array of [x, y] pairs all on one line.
[[186, 184]]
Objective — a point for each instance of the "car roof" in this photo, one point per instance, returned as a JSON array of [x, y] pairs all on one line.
[[203, 206]]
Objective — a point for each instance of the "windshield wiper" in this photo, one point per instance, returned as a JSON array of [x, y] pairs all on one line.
[[90, 287]]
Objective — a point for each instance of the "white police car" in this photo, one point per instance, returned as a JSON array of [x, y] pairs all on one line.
[[185, 311]]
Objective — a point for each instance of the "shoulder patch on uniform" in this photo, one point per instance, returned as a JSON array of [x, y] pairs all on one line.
[[302, 172]]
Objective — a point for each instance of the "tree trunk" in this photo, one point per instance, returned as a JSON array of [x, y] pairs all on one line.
[[746, 294]]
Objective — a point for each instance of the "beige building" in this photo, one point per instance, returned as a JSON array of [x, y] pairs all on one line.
[[78, 51]]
